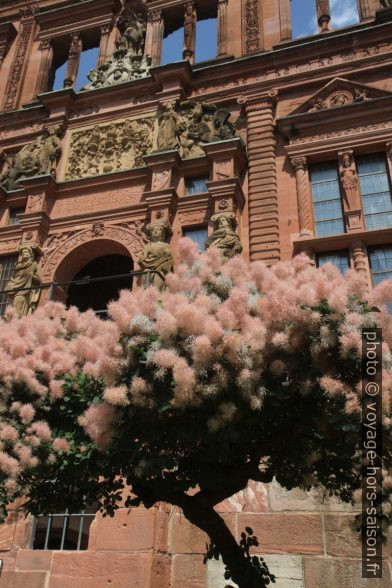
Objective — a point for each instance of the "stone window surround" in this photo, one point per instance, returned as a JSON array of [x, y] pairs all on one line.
[[301, 164]]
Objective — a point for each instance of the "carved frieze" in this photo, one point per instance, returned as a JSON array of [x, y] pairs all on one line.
[[108, 148]]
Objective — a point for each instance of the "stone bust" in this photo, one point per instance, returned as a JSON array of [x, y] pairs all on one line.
[[157, 254]]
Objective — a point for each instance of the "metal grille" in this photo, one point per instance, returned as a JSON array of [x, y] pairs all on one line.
[[63, 531], [7, 265]]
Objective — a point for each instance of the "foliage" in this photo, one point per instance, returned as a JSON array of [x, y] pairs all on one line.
[[233, 373]]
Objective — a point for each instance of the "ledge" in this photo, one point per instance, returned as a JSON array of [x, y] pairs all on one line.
[[343, 241]]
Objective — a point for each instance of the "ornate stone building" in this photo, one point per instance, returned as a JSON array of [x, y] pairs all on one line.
[[275, 146]]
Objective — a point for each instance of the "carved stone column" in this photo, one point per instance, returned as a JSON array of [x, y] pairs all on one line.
[[190, 20], [103, 45], [389, 156], [154, 36], [25, 34], [73, 60], [360, 259], [351, 197], [323, 15], [222, 27], [35, 221], [263, 199], [364, 9], [46, 49], [303, 196], [285, 20]]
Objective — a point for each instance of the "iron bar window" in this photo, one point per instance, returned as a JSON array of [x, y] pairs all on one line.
[[62, 531]]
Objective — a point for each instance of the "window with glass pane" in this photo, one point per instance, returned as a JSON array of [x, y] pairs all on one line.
[[381, 264], [327, 204], [339, 259], [63, 531], [196, 185], [375, 190], [7, 265], [199, 236], [14, 220]]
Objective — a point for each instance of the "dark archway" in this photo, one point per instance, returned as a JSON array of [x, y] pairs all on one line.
[[97, 295]]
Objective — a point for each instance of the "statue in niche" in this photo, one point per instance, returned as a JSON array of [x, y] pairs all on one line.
[[157, 254], [35, 159], [26, 275], [224, 236], [127, 63], [168, 127]]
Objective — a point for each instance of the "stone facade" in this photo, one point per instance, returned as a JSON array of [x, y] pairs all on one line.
[[88, 171]]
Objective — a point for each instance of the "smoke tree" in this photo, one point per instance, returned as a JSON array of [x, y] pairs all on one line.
[[234, 373]]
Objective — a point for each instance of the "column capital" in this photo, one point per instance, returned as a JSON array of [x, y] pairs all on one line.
[[259, 101], [299, 162], [45, 45]]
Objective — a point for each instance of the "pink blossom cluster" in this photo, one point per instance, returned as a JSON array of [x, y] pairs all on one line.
[[217, 330]]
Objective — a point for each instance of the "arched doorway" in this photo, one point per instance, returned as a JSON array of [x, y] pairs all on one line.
[[97, 294]]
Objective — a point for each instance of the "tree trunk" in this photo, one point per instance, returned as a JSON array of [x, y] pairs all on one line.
[[243, 571]]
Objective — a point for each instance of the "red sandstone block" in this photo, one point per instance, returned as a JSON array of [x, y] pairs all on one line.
[[186, 538], [23, 579], [342, 573], [7, 531], [284, 533], [106, 566], [161, 571], [116, 581], [9, 560], [30, 559], [188, 571], [341, 539], [126, 531]]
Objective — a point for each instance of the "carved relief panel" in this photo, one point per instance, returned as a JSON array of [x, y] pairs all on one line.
[[107, 148]]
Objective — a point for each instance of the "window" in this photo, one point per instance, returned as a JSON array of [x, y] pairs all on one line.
[[381, 264], [172, 47], [327, 205], [64, 531], [196, 185], [13, 219], [340, 259], [199, 236], [375, 190], [88, 61], [7, 265], [206, 39]]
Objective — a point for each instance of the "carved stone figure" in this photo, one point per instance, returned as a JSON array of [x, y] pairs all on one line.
[[127, 63], [26, 275], [133, 31], [157, 254], [35, 159], [224, 236], [189, 30], [349, 181], [168, 127], [189, 124]]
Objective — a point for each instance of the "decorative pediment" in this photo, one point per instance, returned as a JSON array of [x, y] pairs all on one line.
[[340, 92]]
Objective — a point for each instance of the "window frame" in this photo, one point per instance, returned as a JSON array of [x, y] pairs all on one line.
[[312, 203], [388, 175], [67, 517]]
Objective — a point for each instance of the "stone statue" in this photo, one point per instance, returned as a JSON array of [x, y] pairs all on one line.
[[189, 30], [157, 254], [224, 236], [349, 181], [26, 275], [168, 127], [127, 63], [133, 32], [35, 159]]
